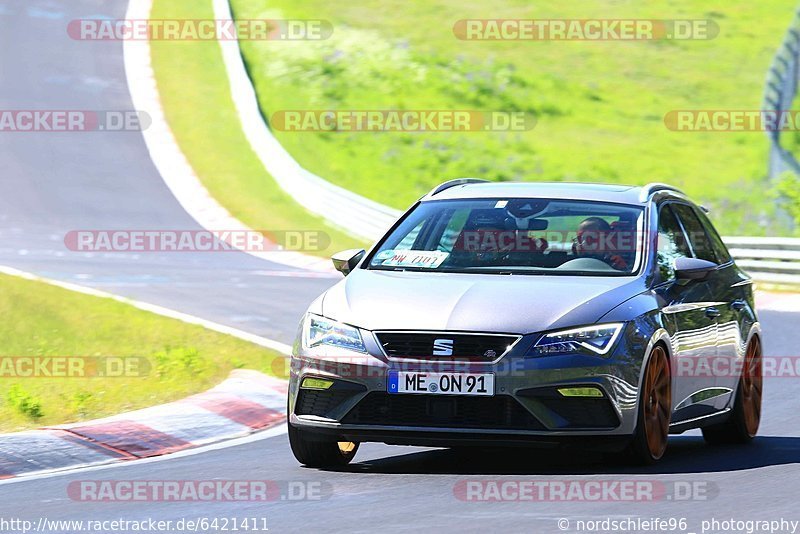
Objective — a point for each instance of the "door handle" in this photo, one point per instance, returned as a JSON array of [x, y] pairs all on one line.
[[712, 312], [738, 305]]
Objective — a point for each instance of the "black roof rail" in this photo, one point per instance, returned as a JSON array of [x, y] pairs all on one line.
[[651, 188], [452, 183]]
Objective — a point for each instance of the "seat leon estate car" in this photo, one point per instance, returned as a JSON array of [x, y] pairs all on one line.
[[556, 315]]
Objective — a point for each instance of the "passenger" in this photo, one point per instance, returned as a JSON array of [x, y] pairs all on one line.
[[594, 241]]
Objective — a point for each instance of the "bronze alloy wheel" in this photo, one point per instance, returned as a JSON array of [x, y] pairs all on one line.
[[657, 395], [751, 385], [742, 424]]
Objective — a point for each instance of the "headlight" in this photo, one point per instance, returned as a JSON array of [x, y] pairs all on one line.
[[591, 340], [321, 331]]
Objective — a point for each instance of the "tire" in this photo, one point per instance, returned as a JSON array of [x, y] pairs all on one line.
[[742, 425], [655, 409], [323, 454]]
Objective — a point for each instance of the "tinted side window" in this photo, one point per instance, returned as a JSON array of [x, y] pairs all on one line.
[[671, 243], [698, 238], [716, 241]]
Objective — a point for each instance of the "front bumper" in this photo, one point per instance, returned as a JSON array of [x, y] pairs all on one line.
[[526, 408]]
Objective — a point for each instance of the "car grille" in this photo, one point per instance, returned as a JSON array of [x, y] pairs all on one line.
[[498, 412], [445, 346]]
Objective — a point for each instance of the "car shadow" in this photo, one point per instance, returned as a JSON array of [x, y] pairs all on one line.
[[686, 454]]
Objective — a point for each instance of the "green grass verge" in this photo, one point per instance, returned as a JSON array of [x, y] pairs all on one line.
[[600, 105], [195, 95], [43, 320]]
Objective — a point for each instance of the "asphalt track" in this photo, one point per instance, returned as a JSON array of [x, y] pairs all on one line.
[[53, 183]]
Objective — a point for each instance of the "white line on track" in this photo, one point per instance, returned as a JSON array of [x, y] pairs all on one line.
[[356, 214], [283, 348], [171, 162]]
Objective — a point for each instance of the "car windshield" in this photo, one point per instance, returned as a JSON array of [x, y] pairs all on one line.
[[515, 236]]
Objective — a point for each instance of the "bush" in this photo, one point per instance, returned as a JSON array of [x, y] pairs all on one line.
[[24, 402], [788, 192]]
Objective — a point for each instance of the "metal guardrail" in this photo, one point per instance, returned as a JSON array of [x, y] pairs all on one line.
[[767, 259], [779, 93], [355, 214]]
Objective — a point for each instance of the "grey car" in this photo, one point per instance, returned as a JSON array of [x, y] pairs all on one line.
[[507, 314]]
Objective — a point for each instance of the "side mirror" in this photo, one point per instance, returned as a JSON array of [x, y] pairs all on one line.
[[346, 261], [693, 268]]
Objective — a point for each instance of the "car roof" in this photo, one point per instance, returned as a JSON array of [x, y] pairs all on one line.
[[621, 194]]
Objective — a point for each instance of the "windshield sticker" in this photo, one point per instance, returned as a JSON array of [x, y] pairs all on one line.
[[386, 254], [501, 204], [425, 259]]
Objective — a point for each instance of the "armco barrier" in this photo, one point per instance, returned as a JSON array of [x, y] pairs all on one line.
[[767, 259], [357, 215]]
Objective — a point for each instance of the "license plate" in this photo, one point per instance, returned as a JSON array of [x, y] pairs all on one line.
[[477, 384]]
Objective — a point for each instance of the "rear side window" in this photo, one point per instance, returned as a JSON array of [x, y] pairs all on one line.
[[716, 241], [698, 237], [671, 243]]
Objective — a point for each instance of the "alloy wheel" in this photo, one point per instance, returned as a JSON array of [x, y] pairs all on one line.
[[658, 402]]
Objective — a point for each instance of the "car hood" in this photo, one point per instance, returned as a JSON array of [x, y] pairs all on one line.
[[519, 304]]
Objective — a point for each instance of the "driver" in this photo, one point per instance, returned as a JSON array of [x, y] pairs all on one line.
[[592, 241]]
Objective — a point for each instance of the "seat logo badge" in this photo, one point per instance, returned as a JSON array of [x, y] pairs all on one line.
[[442, 347]]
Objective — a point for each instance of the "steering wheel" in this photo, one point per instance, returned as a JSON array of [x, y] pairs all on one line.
[[585, 264]]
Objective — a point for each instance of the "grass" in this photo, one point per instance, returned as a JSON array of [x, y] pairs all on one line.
[[194, 92], [599, 106], [174, 359]]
